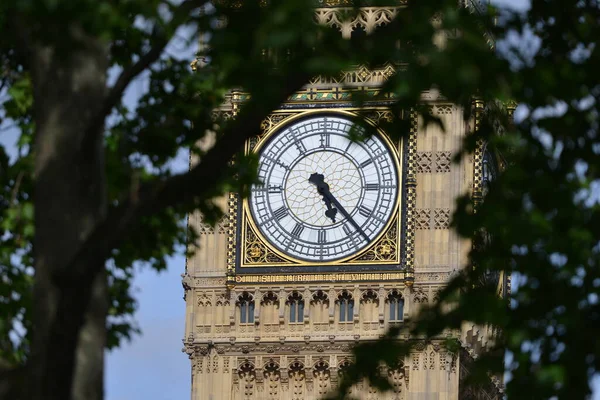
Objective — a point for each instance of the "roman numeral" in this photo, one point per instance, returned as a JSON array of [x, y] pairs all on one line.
[[365, 163], [348, 147], [364, 211], [280, 213], [282, 165], [372, 186], [275, 189], [325, 139], [322, 236], [297, 230], [300, 146], [346, 230]]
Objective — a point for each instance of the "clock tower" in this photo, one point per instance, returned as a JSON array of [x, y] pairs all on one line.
[[341, 241]]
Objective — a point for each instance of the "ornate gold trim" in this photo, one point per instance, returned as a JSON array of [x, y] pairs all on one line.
[[411, 198], [231, 239], [255, 248], [312, 94], [321, 277], [478, 106]]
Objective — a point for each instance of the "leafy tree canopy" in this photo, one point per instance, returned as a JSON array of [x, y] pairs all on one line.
[[90, 192]]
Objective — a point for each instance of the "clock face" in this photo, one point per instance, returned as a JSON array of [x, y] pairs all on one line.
[[323, 197]]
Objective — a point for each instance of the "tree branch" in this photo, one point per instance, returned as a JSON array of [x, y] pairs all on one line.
[[75, 280], [115, 93], [179, 189]]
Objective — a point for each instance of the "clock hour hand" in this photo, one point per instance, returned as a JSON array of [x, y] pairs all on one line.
[[319, 179], [323, 189]]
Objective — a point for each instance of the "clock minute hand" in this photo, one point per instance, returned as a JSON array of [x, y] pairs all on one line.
[[347, 215], [323, 188]]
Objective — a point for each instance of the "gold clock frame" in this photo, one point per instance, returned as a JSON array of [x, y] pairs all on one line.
[[403, 252], [257, 251]]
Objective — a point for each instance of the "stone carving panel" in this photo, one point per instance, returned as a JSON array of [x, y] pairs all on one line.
[[432, 218], [433, 161]]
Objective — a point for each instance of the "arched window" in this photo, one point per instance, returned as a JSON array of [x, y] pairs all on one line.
[[221, 310], [296, 305], [346, 307], [396, 306], [320, 305], [246, 305], [343, 366], [270, 304], [369, 304], [204, 311]]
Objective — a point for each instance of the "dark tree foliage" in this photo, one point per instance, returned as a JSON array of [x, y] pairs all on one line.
[[89, 191]]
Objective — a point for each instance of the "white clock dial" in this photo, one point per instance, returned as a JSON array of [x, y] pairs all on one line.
[[323, 197]]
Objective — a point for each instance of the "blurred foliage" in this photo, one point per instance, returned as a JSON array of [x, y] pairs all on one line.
[[541, 212]]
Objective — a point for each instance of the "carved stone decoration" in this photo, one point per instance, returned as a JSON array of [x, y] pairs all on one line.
[[247, 379], [232, 204], [431, 359], [257, 252], [322, 377], [443, 109], [436, 218], [198, 364], [372, 392], [226, 365], [201, 227], [419, 296], [203, 300], [385, 249], [297, 378], [436, 295], [423, 218], [367, 18], [396, 377], [215, 363], [478, 107], [415, 361], [443, 360], [378, 116], [433, 161], [441, 218], [272, 380], [411, 199], [186, 282], [424, 160], [268, 124], [443, 160]]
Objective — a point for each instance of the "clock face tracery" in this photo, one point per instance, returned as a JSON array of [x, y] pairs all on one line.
[[323, 197]]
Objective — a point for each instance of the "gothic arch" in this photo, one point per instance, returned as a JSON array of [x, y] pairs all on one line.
[[395, 305], [269, 298], [295, 306], [345, 302], [245, 305], [322, 377], [320, 296], [319, 304], [297, 377], [247, 379], [272, 374], [269, 306]]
